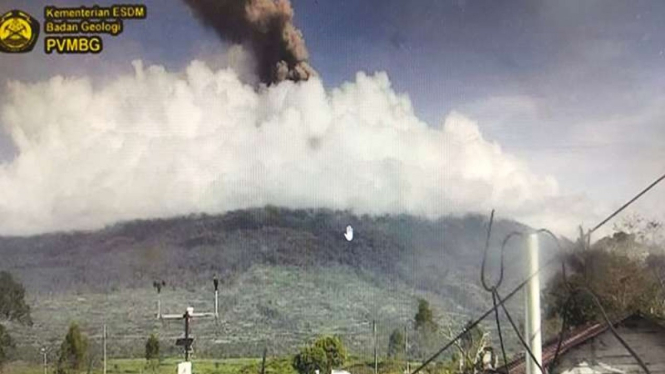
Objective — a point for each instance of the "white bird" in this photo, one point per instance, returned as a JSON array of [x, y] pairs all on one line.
[[349, 233]]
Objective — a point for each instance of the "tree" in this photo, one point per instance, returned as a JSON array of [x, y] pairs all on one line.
[[326, 353], [618, 270], [73, 350], [152, 352], [647, 231], [334, 349], [656, 264], [426, 330], [581, 307], [12, 308], [309, 360], [6, 343], [471, 347], [396, 344], [12, 300], [424, 317]]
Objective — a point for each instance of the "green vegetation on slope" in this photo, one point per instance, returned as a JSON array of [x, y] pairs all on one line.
[[286, 277]]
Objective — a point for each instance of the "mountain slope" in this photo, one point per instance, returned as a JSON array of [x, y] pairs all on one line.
[[286, 275]]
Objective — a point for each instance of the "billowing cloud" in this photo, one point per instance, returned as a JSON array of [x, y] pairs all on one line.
[[158, 143]]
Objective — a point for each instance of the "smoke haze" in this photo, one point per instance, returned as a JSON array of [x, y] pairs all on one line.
[[266, 26]]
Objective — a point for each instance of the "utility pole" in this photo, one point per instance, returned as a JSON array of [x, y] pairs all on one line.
[[263, 360], [532, 324], [104, 348], [376, 357], [44, 353], [406, 348], [158, 286], [188, 343], [215, 281]]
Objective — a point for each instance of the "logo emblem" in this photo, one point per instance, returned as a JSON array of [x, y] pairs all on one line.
[[18, 32]]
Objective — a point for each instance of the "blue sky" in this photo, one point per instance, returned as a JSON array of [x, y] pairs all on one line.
[[575, 88]]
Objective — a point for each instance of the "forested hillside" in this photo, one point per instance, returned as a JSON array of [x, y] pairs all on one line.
[[285, 275]]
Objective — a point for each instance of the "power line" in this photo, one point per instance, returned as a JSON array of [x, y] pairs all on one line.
[[570, 299], [570, 288], [501, 302], [631, 201], [478, 320]]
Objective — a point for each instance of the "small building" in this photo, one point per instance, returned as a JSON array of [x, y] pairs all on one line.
[[594, 349]]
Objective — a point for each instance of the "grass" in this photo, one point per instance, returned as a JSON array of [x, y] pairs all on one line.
[[138, 366], [202, 366], [199, 366], [249, 365]]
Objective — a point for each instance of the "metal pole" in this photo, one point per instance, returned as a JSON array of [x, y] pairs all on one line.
[[158, 287], [104, 348], [406, 348], [44, 354], [263, 360], [376, 365], [187, 337], [532, 324], [216, 303], [215, 282]]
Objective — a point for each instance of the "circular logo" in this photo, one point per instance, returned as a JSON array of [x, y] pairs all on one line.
[[18, 32]]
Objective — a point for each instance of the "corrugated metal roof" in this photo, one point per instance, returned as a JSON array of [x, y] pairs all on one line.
[[571, 340]]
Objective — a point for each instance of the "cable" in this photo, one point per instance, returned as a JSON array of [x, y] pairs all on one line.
[[484, 261], [519, 336], [487, 246], [626, 205], [613, 330], [564, 326], [475, 322], [586, 243], [564, 322], [560, 249], [570, 299], [493, 288], [585, 237], [616, 334], [498, 327], [495, 294], [505, 310]]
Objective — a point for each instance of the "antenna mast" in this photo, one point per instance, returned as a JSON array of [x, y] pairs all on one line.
[[187, 341]]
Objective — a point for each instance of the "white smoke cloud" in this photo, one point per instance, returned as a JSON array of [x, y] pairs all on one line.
[[160, 143]]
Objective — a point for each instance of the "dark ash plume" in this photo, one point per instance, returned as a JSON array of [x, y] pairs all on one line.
[[267, 27]]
